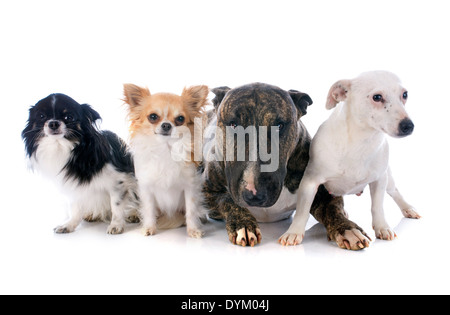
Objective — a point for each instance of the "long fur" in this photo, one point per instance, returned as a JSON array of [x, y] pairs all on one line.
[[170, 185], [93, 168]]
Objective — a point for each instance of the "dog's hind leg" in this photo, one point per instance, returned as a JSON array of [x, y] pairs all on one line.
[[407, 210], [329, 211]]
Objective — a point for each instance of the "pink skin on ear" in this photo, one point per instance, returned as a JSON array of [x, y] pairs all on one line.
[[338, 93]]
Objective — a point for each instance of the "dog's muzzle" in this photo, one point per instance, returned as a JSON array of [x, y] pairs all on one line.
[[54, 127]]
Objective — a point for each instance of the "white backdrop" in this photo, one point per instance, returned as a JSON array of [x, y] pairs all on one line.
[[88, 49]]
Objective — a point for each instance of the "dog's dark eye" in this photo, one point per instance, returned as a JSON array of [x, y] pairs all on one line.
[[377, 97], [153, 118], [233, 125], [42, 116], [280, 126], [69, 118], [179, 120], [405, 95]]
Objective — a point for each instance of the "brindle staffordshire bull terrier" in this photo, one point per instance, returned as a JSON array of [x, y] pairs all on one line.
[[244, 189]]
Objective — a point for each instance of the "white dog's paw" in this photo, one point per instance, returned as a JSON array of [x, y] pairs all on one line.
[[195, 233], [115, 229], [291, 239], [64, 229], [149, 230], [385, 233], [410, 213]]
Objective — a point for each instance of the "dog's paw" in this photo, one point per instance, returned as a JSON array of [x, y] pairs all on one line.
[[115, 229], [291, 239], [149, 231], [353, 239], [63, 229], [133, 219], [195, 233], [411, 213], [245, 236], [385, 233]]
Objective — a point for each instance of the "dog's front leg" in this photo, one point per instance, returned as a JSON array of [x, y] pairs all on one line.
[[241, 225], [329, 211], [194, 212], [306, 192], [76, 216], [118, 214], [149, 211], [381, 227]]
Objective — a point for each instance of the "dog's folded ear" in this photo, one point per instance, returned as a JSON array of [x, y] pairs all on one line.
[[195, 98], [91, 114], [301, 101], [220, 93], [338, 93]]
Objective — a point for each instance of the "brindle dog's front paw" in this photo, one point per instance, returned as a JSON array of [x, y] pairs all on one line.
[[245, 237], [244, 234], [349, 235]]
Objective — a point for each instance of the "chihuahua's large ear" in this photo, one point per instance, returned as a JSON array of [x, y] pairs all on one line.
[[195, 98], [220, 93], [134, 95], [91, 114], [301, 101], [338, 93]]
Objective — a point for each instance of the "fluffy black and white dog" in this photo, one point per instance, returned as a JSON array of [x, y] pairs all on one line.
[[93, 168]]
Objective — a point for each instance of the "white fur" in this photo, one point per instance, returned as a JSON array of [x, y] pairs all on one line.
[[350, 150], [168, 185], [282, 209], [97, 199]]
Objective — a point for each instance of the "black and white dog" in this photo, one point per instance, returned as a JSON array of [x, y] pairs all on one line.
[[93, 168]]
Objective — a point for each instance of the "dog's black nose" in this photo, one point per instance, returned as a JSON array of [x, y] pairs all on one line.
[[54, 125], [405, 127], [166, 127], [253, 200]]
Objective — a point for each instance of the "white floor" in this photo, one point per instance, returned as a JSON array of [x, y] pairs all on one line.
[[34, 260]]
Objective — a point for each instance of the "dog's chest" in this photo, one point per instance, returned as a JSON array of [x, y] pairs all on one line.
[[52, 156], [354, 174], [282, 209], [163, 176]]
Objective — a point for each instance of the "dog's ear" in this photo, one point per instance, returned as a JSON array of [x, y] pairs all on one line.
[[338, 93], [220, 93], [195, 98], [91, 114], [301, 101], [134, 95]]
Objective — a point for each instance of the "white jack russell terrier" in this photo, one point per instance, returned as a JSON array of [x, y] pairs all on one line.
[[350, 151]]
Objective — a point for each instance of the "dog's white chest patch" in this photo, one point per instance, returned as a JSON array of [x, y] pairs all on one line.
[[282, 209], [51, 156]]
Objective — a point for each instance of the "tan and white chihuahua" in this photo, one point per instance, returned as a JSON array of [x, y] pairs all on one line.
[[162, 142]]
